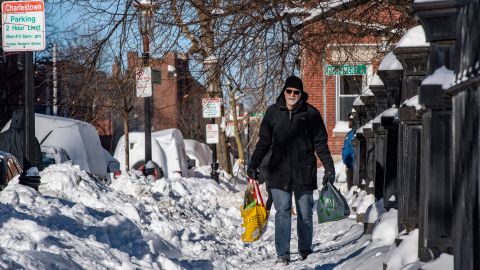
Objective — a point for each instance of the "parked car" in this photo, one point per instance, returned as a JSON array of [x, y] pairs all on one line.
[[78, 139], [200, 152], [113, 167], [168, 152], [9, 168]]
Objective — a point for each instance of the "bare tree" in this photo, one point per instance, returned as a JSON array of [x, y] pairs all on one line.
[[263, 40]]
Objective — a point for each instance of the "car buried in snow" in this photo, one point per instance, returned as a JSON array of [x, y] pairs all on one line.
[[9, 168], [168, 153], [63, 137]]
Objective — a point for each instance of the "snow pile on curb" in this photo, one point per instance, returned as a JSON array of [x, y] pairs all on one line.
[[405, 253], [74, 222]]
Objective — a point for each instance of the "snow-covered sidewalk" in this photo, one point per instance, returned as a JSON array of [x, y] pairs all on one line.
[[74, 222]]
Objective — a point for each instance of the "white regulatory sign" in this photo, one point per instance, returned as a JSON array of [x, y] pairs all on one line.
[[144, 82], [212, 133], [211, 107], [23, 26]]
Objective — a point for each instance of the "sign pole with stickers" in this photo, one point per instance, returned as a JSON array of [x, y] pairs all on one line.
[[23, 30], [211, 108]]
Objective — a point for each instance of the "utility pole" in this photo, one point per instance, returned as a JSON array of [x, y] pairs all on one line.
[[209, 66], [29, 110], [147, 10], [55, 108]]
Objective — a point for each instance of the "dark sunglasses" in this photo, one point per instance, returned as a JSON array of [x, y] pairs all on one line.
[[295, 92]]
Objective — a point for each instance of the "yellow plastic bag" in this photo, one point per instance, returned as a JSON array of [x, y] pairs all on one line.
[[254, 214]]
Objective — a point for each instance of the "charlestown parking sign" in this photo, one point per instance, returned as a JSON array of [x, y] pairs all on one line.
[[23, 26]]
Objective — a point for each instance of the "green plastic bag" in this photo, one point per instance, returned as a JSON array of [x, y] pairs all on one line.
[[331, 205]]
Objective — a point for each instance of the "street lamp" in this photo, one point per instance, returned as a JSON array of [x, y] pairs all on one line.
[[146, 11]]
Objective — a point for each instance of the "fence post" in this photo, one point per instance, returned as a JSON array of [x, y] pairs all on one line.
[[439, 19], [412, 51], [378, 89], [466, 141], [390, 71]]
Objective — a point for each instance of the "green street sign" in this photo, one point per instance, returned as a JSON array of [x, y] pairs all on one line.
[[345, 70], [257, 114]]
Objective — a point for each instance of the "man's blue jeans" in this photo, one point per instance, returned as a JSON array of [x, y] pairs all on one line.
[[282, 201]]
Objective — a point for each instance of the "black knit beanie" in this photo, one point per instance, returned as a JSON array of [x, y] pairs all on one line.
[[294, 82]]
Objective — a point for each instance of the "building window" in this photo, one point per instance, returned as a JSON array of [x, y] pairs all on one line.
[[348, 88]]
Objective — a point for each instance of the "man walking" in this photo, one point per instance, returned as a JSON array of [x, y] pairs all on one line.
[[294, 131]]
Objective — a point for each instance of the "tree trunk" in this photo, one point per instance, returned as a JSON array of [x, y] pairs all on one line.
[[222, 149], [222, 152], [126, 126], [238, 140]]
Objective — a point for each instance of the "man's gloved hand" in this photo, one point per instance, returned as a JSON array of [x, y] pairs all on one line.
[[252, 173], [329, 176]]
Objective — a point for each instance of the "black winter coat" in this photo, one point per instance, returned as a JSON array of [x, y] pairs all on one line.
[[294, 137]]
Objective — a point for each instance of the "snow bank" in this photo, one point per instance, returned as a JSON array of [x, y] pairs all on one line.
[[444, 262], [405, 253], [74, 222], [386, 230], [366, 202], [359, 198], [374, 212]]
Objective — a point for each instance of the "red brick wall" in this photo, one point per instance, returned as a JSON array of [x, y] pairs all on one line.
[[313, 84], [164, 109]]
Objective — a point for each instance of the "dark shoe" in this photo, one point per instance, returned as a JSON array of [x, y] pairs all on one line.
[[282, 261], [304, 254]]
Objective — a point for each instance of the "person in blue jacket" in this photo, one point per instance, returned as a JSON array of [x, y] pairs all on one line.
[[348, 152]]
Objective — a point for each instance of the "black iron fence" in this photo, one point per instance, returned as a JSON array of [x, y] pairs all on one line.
[[420, 153]]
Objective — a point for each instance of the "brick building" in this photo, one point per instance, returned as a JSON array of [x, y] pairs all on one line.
[[176, 101], [343, 70], [333, 86]]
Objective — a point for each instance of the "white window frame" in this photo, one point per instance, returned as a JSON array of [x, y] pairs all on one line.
[[365, 80]]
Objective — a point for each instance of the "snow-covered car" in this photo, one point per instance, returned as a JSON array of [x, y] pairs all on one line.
[[200, 152], [113, 166], [168, 152], [79, 140], [9, 168], [53, 155]]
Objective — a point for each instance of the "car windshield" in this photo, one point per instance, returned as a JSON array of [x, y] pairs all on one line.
[[47, 160]]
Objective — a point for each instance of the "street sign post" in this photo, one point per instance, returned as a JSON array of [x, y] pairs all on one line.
[[144, 82], [23, 26], [212, 134], [345, 70], [211, 107]]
